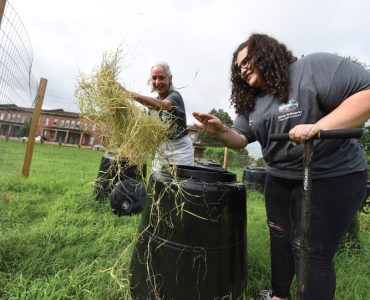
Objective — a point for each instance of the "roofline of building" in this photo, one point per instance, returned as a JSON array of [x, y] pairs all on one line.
[[58, 111]]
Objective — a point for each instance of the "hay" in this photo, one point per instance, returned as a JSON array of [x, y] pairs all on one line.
[[128, 130]]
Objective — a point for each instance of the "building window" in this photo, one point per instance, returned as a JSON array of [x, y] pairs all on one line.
[[52, 135], [192, 136], [18, 118], [73, 123], [23, 118], [62, 123], [91, 142], [55, 122], [199, 138], [46, 121], [2, 116], [8, 117], [78, 124], [67, 123], [13, 117]]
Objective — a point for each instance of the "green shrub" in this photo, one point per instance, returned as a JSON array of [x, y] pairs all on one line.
[[235, 158]]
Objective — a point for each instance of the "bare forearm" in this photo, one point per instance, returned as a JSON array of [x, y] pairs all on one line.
[[148, 101], [353, 112], [231, 139]]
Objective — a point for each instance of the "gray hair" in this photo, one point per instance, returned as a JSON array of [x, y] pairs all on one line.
[[166, 69]]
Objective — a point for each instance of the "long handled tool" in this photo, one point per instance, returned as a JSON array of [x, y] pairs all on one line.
[[306, 197]]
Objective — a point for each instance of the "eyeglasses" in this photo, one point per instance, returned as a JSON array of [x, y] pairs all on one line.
[[243, 65]]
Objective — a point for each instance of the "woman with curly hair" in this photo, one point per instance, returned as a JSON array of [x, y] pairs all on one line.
[[273, 92]]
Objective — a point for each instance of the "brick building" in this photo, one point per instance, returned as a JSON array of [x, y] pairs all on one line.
[[56, 125]]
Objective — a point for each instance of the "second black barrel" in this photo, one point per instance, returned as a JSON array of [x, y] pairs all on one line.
[[254, 178], [112, 170]]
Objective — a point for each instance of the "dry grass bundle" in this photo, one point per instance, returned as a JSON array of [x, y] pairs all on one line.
[[128, 130]]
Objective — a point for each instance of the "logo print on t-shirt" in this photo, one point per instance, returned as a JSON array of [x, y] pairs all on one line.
[[289, 110], [288, 107]]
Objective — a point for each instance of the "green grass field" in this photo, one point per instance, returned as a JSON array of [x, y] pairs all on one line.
[[56, 242]]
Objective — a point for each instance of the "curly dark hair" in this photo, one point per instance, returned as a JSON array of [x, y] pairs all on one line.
[[272, 60]]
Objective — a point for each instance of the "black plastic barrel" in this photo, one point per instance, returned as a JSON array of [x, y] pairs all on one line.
[[192, 237], [209, 164], [111, 171], [254, 178]]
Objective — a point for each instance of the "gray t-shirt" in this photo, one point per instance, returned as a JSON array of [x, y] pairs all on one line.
[[175, 115], [318, 84]]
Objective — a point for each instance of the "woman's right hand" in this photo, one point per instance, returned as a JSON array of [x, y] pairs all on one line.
[[209, 123]]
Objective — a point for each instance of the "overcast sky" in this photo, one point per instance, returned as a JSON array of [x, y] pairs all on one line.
[[196, 37]]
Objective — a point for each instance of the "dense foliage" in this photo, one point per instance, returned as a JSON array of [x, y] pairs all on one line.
[[365, 139]]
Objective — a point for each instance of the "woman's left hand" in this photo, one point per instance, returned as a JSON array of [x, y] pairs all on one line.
[[303, 132]]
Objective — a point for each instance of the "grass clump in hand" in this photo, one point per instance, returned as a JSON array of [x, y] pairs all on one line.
[[128, 130]]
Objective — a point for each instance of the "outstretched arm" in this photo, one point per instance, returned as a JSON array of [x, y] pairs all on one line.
[[152, 102], [227, 136], [149, 101]]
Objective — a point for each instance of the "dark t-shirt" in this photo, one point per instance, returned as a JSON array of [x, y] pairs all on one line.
[[175, 115], [318, 84]]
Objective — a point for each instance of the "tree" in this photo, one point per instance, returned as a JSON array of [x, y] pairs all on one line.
[[210, 140], [364, 141], [222, 115], [260, 162], [24, 130], [356, 61]]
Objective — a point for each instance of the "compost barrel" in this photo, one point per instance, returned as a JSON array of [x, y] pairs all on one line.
[[209, 164], [254, 178], [192, 237], [111, 171]]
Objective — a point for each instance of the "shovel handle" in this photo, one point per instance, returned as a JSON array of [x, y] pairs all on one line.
[[347, 133]]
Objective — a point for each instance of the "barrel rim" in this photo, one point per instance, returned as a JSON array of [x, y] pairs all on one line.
[[208, 175]]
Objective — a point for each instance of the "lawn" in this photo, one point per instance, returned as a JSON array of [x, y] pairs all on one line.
[[57, 242]]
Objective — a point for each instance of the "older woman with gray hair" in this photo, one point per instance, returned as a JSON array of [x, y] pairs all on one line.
[[178, 150]]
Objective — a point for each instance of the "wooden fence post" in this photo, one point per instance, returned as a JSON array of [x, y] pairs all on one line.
[[2, 9], [225, 158], [34, 123]]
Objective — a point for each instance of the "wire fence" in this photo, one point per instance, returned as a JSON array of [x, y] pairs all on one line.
[[18, 85], [60, 100]]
